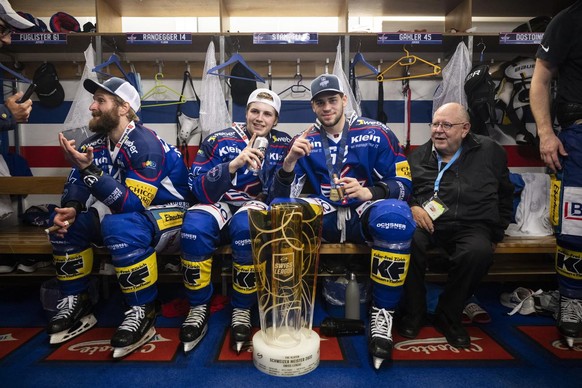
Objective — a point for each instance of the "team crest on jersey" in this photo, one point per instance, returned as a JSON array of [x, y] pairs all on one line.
[[149, 164]]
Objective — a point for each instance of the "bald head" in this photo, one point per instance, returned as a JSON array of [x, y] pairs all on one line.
[[454, 110]]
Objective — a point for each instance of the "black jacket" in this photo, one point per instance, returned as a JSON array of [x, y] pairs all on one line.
[[476, 188]]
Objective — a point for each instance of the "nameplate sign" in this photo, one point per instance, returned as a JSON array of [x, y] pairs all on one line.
[[21, 38], [159, 38], [520, 37], [410, 38], [285, 38]]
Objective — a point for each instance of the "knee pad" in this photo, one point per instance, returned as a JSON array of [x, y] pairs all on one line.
[[196, 272], [200, 233], [390, 224], [126, 232], [137, 274], [73, 270]]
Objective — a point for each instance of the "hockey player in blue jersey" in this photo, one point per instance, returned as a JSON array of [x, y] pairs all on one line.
[[229, 176], [128, 190], [362, 180]]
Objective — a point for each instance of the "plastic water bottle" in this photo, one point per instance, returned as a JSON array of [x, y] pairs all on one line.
[[352, 298]]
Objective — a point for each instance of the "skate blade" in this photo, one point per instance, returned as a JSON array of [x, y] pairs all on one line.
[[570, 342], [122, 352], [84, 324], [192, 344], [239, 346], [378, 362]]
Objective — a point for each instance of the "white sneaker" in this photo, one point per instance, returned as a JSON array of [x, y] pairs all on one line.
[[520, 300]]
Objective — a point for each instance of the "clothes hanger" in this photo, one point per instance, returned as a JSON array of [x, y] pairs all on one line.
[[236, 57], [158, 89], [113, 60], [18, 76], [409, 60], [359, 58], [298, 87]]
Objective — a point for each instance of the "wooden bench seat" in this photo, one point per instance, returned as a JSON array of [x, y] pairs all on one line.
[[515, 257]]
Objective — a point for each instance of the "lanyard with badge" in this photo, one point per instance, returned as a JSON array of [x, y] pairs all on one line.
[[435, 207], [115, 151], [334, 168]]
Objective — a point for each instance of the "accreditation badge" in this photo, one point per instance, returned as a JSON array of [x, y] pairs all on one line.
[[435, 207]]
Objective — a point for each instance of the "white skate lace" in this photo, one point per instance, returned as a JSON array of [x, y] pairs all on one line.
[[133, 318], [66, 306], [570, 310], [241, 317], [196, 316], [381, 323]]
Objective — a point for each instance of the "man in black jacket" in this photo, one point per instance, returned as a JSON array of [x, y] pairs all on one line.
[[462, 203]]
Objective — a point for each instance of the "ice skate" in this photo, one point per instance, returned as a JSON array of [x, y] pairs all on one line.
[[73, 318], [380, 335], [195, 326], [137, 329], [240, 329], [570, 319]]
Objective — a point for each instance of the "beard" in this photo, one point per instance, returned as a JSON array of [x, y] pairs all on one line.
[[104, 122]]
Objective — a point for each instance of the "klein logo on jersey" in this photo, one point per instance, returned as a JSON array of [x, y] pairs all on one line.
[[403, 169], [226, 150], [365, 139], [144, 191], [389, 268]]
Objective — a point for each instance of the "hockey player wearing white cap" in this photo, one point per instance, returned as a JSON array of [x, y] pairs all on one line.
[[230, 175], [128, 191]]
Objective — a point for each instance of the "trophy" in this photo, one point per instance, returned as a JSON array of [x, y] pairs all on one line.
[[285, 243]]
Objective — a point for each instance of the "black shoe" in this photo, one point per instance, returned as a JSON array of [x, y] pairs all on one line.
[[408, 325], [454, 332]]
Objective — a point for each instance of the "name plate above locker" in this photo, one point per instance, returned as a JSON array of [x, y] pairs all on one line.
[[410, 38], [520, 37], [285, 38], [22, 38], [159, 38]]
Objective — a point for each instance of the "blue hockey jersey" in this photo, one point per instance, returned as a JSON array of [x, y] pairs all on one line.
[[142, 170], [373, 154], [210, 180]]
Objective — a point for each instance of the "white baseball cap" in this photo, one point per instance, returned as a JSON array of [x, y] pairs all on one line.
[[11, 17], [117, 86], [266, 96]]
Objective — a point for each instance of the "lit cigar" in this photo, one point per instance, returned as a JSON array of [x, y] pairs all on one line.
[[54, 228]]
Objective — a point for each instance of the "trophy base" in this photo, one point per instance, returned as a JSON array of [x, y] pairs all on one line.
[[287, 362]]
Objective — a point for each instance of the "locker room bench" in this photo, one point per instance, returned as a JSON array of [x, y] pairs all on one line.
[[515, 258]]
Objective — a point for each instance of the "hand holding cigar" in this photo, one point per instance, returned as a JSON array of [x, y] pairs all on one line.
[[55, 228]]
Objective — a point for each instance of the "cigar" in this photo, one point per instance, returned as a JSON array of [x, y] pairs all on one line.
[[54, 228]]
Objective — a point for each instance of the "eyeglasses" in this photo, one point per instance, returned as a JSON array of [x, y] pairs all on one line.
[[5, 31], [446, 126]]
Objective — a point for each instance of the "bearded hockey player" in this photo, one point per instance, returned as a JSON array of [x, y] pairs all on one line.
[[128, 190]]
